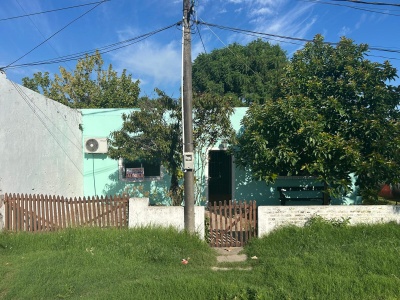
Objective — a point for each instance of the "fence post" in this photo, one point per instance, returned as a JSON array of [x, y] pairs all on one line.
[[2, 212]]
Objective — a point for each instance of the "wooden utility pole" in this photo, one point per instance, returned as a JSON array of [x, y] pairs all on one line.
[[188, 157]]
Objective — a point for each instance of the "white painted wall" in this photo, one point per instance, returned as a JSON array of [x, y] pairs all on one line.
[[273, 217], [40, 144], [142, 215], [2, 213]]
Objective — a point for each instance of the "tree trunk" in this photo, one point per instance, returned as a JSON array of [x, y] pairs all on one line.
[[326, 195], [175, 190]]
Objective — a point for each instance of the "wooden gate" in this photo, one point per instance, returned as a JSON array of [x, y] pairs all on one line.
[[231, 224], [47, 213]]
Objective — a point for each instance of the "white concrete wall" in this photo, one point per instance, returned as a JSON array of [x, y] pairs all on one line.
[[2, 212], [273, 217], [142, 215], [40, 144]]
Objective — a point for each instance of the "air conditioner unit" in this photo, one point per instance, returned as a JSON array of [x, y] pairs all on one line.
[[96, 145]]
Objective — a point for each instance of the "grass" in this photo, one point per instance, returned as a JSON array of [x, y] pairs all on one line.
[[321, 261]]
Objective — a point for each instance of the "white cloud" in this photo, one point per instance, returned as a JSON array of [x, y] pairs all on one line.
[[295, 22], [154, 64], [262, 11], [361, 21], [344, 31]]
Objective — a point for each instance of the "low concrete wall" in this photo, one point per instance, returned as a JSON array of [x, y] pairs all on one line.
[[272, 217], [2, 212], [142, 215]]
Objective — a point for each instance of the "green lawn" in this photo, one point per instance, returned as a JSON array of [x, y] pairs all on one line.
[[321, 261]]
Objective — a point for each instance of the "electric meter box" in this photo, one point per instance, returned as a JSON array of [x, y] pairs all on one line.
[[188, 161]]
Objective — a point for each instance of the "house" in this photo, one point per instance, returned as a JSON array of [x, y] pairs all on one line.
[[48, 148], [40, 144]]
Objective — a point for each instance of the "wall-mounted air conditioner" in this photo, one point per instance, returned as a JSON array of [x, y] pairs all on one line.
[[96, 145]]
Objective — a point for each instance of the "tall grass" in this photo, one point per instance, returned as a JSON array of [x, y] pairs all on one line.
[[329, 260], [95, 263], [321, 261]]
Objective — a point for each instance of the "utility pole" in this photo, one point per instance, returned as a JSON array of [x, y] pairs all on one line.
[[187, 95]]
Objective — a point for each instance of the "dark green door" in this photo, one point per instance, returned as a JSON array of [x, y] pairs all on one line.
[[220, 176]]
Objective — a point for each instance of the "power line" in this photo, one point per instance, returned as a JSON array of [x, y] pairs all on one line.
[[255, 73], [37, 28], [238, 30], [102, 50], [53, 10], [34, 107], [369, 3], [201, 39], [379, 56], [383, 12], [197, 27], [254, 34], [56, 33], [31, 105]]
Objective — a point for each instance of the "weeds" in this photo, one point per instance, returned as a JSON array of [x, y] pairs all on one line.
[[319, 221], [324, 260]]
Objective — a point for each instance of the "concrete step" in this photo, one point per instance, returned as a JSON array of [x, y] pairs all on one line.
[[230, 254]]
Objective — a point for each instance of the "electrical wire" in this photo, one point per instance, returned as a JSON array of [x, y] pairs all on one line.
[[383, 12], [34, 107], [235, 54], [34, 48], [201, 39], [37, 28], [101, 50], [197, 27], [29, 103], [369, 3], [53, 10], [262, 34], [379, 56]]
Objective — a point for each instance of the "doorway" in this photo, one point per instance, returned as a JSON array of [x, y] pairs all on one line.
[[219, 176]]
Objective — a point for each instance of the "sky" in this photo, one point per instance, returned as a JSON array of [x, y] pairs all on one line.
[[155, 60]]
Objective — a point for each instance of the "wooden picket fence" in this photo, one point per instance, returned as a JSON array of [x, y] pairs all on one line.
[[48, 213], [231, 224]]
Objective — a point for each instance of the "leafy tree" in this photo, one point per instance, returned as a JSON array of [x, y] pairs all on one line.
[[153, 133], [88, 86], [337, 115], [247, 73]]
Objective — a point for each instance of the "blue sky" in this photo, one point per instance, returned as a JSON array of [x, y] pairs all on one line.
[[156, 61]]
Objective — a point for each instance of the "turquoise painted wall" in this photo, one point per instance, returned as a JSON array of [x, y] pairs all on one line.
[[101, 173]]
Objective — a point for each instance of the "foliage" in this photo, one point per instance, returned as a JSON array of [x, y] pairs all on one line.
[[337, 115], [247, 73], [153, 132], [319, 221], [88, 86], [207, 229]]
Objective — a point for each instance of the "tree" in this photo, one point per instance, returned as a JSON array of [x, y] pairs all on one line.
[[249, 74], [153, 133], [88, 86], [337, 115]]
